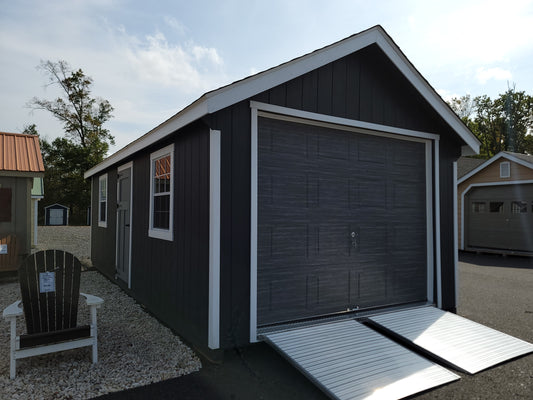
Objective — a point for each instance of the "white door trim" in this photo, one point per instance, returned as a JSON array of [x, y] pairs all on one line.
[[129, 166], [432, 190]]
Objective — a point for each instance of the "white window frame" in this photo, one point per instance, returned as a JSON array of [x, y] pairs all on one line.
[[103, 222], [158, 233], [505, 169]]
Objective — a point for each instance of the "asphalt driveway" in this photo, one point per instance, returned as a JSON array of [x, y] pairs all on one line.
[[495, 291]]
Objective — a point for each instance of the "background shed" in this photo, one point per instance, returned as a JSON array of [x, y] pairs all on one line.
[[20, 162], [56, 214], [495, 202]]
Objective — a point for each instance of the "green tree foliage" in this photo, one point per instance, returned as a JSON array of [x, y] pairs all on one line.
[[84, 144], [503, 124]]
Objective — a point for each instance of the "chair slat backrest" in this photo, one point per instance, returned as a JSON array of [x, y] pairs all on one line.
[[50, 289]]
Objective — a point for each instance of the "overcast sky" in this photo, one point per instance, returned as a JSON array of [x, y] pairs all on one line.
[[151, 59]]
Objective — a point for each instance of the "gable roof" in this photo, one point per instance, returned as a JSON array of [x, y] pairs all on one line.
[[225, 96], [522, 159], [20, 153], [467, 164]]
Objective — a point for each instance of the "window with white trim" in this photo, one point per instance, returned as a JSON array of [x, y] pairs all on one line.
[[505, 169], [161, 193], [102, 201]]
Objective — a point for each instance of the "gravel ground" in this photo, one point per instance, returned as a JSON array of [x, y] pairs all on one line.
[[134, 349], [74, 239]]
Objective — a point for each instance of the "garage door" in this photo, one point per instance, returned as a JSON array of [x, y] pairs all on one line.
[[500, 217], [341, 221]]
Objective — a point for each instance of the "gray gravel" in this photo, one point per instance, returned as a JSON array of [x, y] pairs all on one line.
[[134, 350], [74, 239]]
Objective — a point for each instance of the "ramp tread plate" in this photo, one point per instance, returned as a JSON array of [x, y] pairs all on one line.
[[467, 345], [348, 360]]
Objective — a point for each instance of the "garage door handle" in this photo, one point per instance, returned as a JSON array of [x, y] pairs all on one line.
[[355, 239]]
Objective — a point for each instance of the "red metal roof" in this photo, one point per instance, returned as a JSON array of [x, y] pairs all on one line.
[[20, 153]]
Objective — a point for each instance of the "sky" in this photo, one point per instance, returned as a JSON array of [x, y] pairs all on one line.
[[152, 59]]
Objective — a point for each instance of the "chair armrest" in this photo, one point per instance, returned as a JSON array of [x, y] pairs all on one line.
[[13, 310], [92, 300]]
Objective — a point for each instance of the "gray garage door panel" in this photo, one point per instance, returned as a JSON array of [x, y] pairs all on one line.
[[348, 360], [467, 345], [508, 227], [341, 221]]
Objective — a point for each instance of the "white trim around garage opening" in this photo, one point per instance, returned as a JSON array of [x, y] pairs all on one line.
[[455, 236], [432, 190], [214, 240], [474, 185]]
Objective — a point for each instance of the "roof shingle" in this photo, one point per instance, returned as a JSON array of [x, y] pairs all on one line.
[[20, 153]]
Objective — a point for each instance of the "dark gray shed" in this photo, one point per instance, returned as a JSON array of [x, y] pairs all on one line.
[[324, 186], [56, 214]]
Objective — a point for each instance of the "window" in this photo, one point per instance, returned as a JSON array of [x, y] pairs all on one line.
[[102, 201], [161, 193], [518, 207], [496, 207], [478, 207], [5, 204], [505, 169]]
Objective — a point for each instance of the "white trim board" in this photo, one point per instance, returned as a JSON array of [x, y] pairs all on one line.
[[241, 90], [470, 187], [214, 240], [432, 189], [129, 166]]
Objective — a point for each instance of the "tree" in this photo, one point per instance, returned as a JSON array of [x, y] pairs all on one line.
[[85, 143], [501, 124]]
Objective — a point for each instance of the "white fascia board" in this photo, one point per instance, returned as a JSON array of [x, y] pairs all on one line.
[[494, 158], [190, 114], [249, 87], [423, 87]]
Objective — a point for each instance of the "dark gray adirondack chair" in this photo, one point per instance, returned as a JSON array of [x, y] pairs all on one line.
[[50, 289]]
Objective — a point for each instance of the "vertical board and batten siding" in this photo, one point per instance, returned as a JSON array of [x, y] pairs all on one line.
[[103, 240], [362, 86], [171, 278]]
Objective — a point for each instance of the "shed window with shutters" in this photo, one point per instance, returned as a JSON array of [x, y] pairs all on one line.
[[5, 204], [102, 201], [161, 193]]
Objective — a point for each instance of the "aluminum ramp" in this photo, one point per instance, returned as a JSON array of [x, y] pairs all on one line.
[[467, 345], [348, 360]]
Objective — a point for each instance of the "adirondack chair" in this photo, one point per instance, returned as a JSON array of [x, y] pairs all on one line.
[[50, 289]]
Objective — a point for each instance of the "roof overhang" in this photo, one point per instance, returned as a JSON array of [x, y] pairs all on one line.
[[226, 96]]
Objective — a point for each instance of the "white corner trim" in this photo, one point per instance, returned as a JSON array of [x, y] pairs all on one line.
[[430, 243], [474, 185], [214, 240], [455, 236], [437, 225], [164, 234], [253, 228]]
